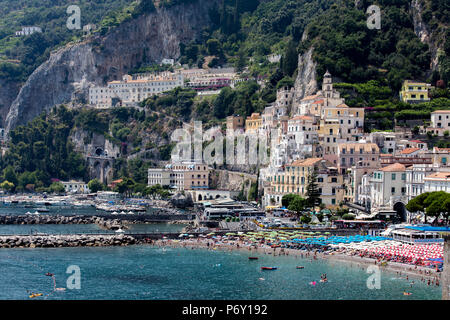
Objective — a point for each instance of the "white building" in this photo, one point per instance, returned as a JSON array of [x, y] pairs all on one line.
[[26, 31], [440, 122], [388, 186], [159, 176], [439, 181], [108, 195], [166, 61], [133, 91], [73, 186]]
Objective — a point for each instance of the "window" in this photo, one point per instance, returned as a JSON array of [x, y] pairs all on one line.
[[393, 176], [393, 190]]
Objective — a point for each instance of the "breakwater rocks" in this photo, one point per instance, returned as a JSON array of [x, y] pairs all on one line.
[[58, 241], [108, 224]]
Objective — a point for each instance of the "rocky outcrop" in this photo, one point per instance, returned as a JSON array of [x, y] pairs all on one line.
[[70, 71], [182, 200], [233, 181], [305, 83], [423, 32]]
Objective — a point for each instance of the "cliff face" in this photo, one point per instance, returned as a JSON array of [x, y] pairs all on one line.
[[69, 71], [306, 83], [423, 33]]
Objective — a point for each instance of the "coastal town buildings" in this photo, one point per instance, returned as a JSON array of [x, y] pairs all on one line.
[[253, 123], [132, 90], [180, 176], [414, 91], [438, 181], [294, 179], [73, 186], [440, 123]]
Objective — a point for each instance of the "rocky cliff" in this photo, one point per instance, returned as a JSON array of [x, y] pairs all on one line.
[[70, 71], [423, 32], [305, 83]]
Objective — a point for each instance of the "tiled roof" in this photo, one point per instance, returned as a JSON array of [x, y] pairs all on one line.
[[409, 150], [439, 175], [396, 167], [306, 163], [302, 118]]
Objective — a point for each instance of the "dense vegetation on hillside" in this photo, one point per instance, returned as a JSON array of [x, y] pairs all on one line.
[[19, 56], [41, 151]]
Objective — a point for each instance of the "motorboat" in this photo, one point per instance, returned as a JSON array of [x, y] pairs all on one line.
[[252, 258], [130, 212], [300, 267], [120, 230], [269, 268]]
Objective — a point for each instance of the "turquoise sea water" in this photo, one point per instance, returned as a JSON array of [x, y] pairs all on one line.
[[85, 228], [146, 272]]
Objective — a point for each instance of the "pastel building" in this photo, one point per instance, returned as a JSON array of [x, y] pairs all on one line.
[[180, 176], [357, 154], [294, 179], [414, 92], [253, 123]]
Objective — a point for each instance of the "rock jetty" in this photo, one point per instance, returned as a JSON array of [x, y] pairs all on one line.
[[58, 241], [108, 224]]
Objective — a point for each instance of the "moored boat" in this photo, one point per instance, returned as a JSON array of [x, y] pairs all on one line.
[[252, 258]]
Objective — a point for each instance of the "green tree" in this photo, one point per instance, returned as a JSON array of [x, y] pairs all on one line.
[[287, 199], [57, 187], [7, 186], [95, 185], [289, 61], [312, 190], [297, 205]]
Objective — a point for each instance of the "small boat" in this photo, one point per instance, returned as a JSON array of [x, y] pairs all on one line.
[[300, 267], [120, 230], [269, 268], [252, 258], [34, 295], [48, 274], [43, 210]]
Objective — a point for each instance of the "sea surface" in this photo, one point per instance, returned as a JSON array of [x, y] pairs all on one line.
[[144, 272], [26, 229]]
